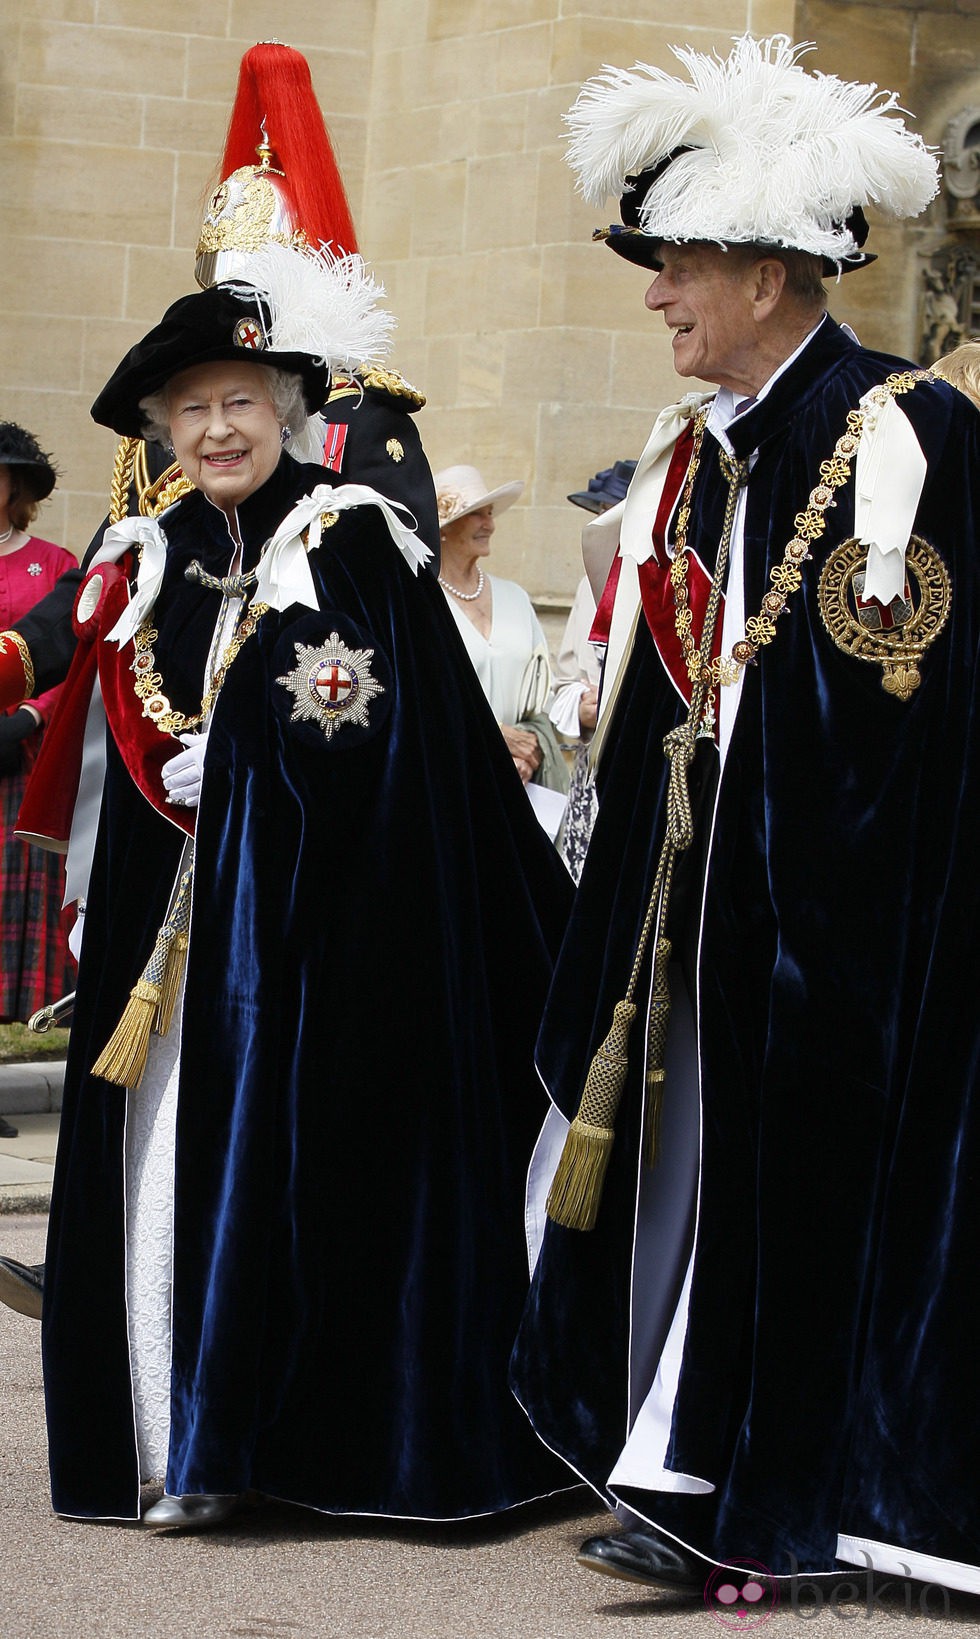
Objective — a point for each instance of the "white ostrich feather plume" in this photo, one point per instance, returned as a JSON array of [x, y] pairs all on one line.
[[318, 303], [777, 154]]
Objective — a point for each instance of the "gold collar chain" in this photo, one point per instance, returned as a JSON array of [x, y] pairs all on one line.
[[148, 682], [785, 577]]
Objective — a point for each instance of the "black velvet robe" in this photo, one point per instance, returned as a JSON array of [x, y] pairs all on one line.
[[828, 1382], [374, 920]]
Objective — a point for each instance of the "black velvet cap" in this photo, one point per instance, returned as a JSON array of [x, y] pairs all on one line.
[[211, 325]]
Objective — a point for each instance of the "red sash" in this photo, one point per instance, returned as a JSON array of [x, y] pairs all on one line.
[[656, 591]]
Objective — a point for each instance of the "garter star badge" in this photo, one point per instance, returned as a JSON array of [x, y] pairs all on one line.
[[895, 635], [333, 685]]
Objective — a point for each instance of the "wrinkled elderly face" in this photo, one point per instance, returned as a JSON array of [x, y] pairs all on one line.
[[470, 535], [224, 429], [704, 294]]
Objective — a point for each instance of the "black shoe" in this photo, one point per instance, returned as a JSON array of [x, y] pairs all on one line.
[[22, 1287], [6, 1130], [641, 1554]]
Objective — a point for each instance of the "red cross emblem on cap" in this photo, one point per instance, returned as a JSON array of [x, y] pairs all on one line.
[[249, 334]]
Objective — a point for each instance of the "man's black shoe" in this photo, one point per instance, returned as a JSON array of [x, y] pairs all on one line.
[[641, 1554], [22, 1287], [7, 1130]]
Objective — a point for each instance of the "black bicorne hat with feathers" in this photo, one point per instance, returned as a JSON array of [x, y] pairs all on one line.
[[749, 149]]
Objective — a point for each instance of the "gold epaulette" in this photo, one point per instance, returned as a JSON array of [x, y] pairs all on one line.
[[153, 496], [168, 488], [380, 380]]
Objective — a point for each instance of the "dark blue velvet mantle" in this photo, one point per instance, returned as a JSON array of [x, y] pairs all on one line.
[[374, 923], [829, 1378]]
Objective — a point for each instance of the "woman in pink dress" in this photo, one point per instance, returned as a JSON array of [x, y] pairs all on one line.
[[35, 966]]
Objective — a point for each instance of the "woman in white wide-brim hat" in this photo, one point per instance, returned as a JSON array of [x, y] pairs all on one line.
[[499, 627]]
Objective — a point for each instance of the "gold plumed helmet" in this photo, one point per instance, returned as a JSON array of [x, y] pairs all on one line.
[[248, 209], [295, 194]]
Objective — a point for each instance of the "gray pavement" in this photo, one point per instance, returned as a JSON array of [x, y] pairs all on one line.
[[30, 1098], [287, 1573]]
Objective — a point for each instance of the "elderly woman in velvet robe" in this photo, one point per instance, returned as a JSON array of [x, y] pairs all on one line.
[[286, 1254]]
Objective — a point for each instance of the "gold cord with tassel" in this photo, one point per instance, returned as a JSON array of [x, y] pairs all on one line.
[[576, 1189], [152, 999]]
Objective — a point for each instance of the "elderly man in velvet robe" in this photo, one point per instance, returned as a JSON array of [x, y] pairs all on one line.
[[751, 1339]]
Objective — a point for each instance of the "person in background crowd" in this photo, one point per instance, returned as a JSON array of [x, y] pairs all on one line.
[[498, 625], [757, 1188], [35, 967], [573, 711]]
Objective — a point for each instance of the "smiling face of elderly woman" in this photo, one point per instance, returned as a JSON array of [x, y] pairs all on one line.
[[224, 428]]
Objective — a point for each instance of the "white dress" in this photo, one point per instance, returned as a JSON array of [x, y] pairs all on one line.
[[501, 661]]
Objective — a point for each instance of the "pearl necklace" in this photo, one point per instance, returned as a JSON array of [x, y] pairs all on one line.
[[4, 538], [466, 597]]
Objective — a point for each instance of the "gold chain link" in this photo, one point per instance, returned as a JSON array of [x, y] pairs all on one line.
[[785, 577]]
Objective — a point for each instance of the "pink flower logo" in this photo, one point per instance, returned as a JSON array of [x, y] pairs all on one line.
[[743, 1594]]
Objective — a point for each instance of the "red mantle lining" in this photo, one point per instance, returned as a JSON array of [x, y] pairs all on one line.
[[656, 592], [143, 748]]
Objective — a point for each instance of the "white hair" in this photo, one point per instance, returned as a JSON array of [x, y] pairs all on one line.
[[284, 387]]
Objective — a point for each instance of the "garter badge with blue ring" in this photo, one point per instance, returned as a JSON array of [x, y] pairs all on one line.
[[333, 685]]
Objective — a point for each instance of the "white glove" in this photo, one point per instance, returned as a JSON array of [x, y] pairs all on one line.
[[182, 775]]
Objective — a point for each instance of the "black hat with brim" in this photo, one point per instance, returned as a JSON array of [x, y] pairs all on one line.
[[644, 250], [20, 449], [211, 326]]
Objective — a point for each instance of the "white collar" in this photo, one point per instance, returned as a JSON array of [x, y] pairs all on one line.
[[725, 407]]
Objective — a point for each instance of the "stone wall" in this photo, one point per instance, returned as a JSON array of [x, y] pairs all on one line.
[[112, 116], [930, 54], [533, 345]]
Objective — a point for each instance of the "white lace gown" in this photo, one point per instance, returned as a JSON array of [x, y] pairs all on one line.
[[151, 1133]]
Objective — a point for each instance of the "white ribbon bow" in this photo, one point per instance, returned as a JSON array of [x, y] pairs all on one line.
[[629, 525], [647, 482], [284, 575], [118, 538], [889, 474]]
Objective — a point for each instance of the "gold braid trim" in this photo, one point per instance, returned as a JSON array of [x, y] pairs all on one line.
[[122, 477], [25, 659]]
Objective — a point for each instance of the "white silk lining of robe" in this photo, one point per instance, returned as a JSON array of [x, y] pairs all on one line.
[[150, 1144]]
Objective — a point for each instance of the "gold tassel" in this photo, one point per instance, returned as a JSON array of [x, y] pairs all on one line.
[[656, 1045], [172, 975], [576, 1188], [152, 998], [123, 1059]]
